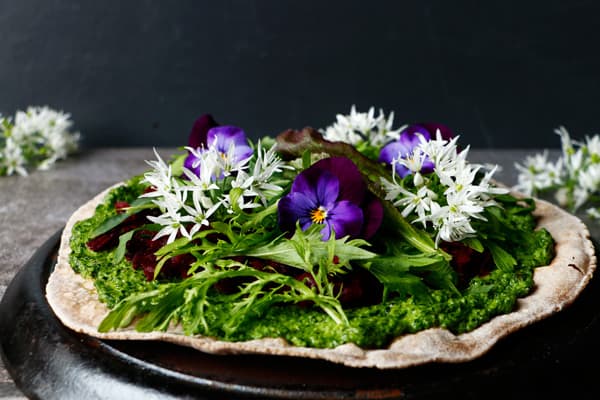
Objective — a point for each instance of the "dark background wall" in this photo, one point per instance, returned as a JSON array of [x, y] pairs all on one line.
[[502, 74]]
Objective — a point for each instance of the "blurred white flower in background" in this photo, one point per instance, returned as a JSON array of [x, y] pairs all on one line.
[[573, 179], [35, 138]]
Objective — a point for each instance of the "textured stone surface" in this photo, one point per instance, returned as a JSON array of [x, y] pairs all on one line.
[[33, 208]]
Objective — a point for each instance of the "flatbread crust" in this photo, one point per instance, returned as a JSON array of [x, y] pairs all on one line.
[[75, 302]]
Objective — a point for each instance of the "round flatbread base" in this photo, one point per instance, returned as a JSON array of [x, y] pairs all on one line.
[[75, 302]]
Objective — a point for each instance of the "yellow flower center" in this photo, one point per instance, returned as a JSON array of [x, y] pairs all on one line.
[[318, 215]]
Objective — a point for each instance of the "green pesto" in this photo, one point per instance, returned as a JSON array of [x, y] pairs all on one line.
[[369, 327], [113, 281], [377, 325]]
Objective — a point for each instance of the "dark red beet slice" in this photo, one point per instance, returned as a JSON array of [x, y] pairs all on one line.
[[467, 262], [105, 241], [120, 206]]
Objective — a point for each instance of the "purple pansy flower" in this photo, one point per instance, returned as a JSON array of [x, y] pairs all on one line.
[[206, 133], [331, 193], [223, 137], [200, 130], [433, 127], [406, 143]]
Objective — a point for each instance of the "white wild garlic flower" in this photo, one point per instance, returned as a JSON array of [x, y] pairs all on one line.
[[465, 193], [359, 127], [573, 178], [187, 202], [35, 138]]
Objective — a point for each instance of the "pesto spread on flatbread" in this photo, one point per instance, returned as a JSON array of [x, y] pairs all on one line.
[[487, 294], [410, 257]]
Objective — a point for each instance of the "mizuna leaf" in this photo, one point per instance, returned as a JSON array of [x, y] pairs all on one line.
[[112, 222], [121, 248], [109, 224], [502, 258]]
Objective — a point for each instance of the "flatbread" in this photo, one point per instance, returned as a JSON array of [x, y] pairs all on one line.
[[75, 302]]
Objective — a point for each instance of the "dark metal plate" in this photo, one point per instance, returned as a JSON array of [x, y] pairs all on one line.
[[48, 361]]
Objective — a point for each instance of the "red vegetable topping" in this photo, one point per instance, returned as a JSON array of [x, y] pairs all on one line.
[[120, 206], [467, 262], [355, 288], [105, 241], [140, 251], [140, 248]]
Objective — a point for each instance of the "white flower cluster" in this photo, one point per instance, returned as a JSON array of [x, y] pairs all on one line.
[[38, 138], [574, 176], [188, 202], [358, 127], [449, 206]]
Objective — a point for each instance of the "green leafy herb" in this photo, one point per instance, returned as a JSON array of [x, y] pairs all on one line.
[[237, 288], [114, 221]]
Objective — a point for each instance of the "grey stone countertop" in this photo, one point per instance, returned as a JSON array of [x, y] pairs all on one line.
[[33, 208]]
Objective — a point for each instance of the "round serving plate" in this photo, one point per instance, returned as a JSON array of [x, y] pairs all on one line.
[[49, 361]]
